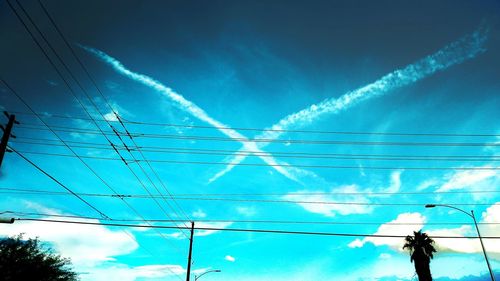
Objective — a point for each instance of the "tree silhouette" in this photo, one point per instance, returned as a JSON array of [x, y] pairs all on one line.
[[421, 253], [29, 260]]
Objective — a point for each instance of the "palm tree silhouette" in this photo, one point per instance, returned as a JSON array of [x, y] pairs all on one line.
[[421, 253]]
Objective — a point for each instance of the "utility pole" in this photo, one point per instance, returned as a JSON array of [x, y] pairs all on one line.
[[6, 134], [190, 252]]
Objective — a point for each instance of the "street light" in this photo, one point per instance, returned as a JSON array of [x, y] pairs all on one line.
[[477, 228], [7, 220], [209, 271]]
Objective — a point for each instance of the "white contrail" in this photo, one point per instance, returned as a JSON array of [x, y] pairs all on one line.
[[187, 106], [455, 53]]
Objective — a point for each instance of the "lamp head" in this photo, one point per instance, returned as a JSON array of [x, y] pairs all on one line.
[[430, 205]]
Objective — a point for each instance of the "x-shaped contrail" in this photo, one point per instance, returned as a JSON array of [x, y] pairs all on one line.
[[455, 53]]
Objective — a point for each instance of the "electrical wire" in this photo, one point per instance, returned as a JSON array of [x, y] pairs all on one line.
[[298, 154], [206, 198], [410, 168], [72, 91], [60, 183], [287, 141], [250, 221], [314, 156], [251, 230], [374, 193], [276, 130]]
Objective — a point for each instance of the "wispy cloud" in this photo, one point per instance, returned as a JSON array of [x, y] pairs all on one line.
[[230, 258], [330, 210], [352, 193], [455, 53]]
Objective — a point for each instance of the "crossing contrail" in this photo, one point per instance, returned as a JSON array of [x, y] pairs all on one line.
[[187, 106], [455, 53]]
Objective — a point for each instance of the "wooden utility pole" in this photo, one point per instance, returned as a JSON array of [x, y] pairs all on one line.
[[190, 252], [6, 134]]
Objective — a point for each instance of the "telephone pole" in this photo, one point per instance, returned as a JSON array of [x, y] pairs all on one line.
[[190, 252], [6, 134]]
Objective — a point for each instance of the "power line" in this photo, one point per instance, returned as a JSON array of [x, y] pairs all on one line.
[[314, 156], [282, 165], [250, 221], [287, 141], [71, 89], [167, 149], [60, 183], [55, 68], [275, 130], [296, 154], [87, 72], [374, 193], [81, 160], [250, 230], [206, 198]]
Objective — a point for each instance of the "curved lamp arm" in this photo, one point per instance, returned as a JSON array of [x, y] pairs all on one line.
[[448, 206], [209, 271]]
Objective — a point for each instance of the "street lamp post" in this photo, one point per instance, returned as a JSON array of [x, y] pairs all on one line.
[[477, 229], [209, 271]]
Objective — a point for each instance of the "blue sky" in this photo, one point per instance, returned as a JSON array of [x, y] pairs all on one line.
[[216, 69]]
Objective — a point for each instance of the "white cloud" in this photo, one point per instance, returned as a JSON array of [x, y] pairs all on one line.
[[491, 215], [91, 248], [395, 181], [426, 184], [331, 210], [467, 179], [84, 244], [394, 227], [246, 211], [210, 225], [229, 258], [110, 116], [124, 272], [199, 214]]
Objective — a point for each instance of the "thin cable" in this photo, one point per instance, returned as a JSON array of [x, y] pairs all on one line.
[[385, 194], [81, 160], [276, 155], [292, 141], [71, 89], [282, 165], [299, 154], [276, 130], [60, 183], [254, 230], [87, 72], [252, 221], [205, 198]]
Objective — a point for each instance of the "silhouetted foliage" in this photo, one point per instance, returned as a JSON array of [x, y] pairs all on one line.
[[421, 253], [29, 260]]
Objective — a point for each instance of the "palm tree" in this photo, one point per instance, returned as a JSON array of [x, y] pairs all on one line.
[[421, 253]]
